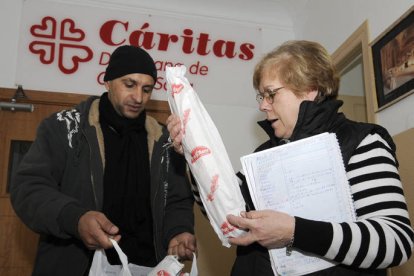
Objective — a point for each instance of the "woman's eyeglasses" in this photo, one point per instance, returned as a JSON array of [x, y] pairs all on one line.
[[268, 95]]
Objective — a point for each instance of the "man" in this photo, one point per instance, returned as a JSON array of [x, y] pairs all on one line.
[[102, 170]]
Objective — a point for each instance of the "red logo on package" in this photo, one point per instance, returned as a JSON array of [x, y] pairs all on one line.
[[213, 188], [176, 88], [226, 228], [163, 273], [63, 46], [186, 115], [199, 152]]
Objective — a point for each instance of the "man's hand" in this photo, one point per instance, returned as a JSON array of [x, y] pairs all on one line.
[[176, 133], [183, 245], [95, 229]]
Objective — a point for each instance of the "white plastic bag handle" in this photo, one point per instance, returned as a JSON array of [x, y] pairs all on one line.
[[100, 263], [194, 269], [124, 259]]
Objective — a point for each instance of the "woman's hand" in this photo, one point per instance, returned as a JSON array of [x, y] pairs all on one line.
[[176, 132], [271, 229]]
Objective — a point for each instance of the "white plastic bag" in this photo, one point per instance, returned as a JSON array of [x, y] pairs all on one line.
[[101, 267], [206, 156], [171, 266], [168, 266]]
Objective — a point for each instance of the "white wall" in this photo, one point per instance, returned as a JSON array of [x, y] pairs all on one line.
[[237, 124], [331, 22], [328, 21], [9, 30]]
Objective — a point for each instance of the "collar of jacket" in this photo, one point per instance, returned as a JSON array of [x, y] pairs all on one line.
[[154, 129], [267, 127], [314, 118]]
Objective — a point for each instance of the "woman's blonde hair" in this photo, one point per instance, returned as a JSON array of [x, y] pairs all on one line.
[[300, 66]]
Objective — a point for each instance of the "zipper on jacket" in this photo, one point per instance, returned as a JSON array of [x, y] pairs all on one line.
[[94, 192], [165, 153], [155, 220], [91, 176], [165, 159]]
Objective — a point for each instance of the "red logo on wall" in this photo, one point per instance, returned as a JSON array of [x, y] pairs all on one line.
[[49, 46]]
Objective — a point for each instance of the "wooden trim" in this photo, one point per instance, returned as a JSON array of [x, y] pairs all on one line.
[[42, 97], [358, 44], [69, 99], [160, 106]]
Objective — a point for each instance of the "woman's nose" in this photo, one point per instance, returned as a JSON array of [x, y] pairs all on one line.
[[264, 106]]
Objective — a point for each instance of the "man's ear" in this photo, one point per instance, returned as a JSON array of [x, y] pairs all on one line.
[[106, 83]]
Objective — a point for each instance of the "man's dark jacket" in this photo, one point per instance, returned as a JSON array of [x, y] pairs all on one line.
[[61, 178]]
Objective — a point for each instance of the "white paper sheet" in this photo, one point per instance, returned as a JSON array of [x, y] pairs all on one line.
[[305, 178]]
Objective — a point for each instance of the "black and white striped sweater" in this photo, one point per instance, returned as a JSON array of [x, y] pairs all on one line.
[[382, 235]]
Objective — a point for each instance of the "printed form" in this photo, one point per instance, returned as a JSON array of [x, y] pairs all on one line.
[[305, 178]]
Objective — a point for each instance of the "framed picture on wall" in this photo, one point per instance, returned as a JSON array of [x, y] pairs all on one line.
[[393, 60]]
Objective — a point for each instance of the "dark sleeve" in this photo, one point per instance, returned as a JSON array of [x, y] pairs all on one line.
[[34, 191], [179, 215], [312, 236], [245, 192]]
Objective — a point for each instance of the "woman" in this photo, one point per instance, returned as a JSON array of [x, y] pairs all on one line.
[[297, 89]]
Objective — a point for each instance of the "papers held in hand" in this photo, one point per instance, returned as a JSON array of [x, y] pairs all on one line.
[[305, 178]]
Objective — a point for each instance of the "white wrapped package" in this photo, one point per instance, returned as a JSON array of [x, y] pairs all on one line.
[[206, 156]]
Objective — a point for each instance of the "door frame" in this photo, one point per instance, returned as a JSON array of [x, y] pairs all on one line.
[[355, 45], [160, 109]]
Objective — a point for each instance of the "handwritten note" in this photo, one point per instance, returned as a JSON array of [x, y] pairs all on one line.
[[305, 178]]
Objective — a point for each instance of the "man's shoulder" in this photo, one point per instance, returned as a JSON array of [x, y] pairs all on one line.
[[68, 121], [75, 113], [154, 128]]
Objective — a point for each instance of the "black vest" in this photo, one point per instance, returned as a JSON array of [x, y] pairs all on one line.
[[316, 118]]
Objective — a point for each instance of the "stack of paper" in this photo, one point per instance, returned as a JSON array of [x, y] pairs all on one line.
[[305, 178]]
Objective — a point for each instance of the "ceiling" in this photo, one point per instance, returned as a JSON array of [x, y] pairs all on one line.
[[268, 12]]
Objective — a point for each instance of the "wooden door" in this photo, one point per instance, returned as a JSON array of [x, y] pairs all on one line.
[[18, 243], [405, 155], [17, 130], [354, 108]]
